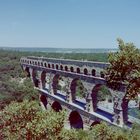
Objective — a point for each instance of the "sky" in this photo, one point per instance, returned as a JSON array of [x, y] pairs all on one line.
[[69, 23]]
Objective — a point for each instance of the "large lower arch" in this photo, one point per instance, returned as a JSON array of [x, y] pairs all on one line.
[[95, 123], [75, 120], [43, 79], [55, 83], [125, 110], [43, 100], [56, 106], [73, 88], [77, 87], [35, 79], [96, 97], [27, 72]]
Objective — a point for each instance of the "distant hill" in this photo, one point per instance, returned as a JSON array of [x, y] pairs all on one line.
[[60, 50]]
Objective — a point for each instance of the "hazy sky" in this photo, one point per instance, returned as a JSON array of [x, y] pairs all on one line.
[[69, 23]]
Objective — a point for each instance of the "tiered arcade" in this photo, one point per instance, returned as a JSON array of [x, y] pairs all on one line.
[[48, 74]]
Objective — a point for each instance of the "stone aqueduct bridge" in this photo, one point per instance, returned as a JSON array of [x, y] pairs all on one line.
[[46, 74]]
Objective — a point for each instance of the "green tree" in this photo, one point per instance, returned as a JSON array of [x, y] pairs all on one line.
[[28, 121], [125, 69]]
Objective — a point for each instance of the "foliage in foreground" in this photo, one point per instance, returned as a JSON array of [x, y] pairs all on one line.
[[27, 121]]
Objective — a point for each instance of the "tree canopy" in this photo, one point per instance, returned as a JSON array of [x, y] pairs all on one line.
[[125, 69]]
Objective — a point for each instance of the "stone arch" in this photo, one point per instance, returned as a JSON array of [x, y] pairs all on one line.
[[38, 63], [45, 64], [130, 108], [78, 70], [56, 106], [71, 69], [57, 66], [93, 72], [102, 74], [66, 68], [95, 93], [75, 120], [85, 71], [95, 123], [124, 105], [35, 62], [61, 67], [43, 100], [43, 79], [49, 65], [35, 79], [53, 66], [55, 83], [73, 87], [27, 72]]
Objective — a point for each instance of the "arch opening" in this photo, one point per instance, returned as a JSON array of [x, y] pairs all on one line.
[[56, 106], [43, 100], [102, 74], [66, 68], [85, 71], [71, 69], [101, 97], [78, 90], [93, 72], [49, 66], [75, 120], [56, 66], [53, 66], [55, 83], [94, 124], [35, 63], [78, 70], [61, 67], [27, 72], [38, 63], [35, 78], [59, 86], [45, 64], [130, 108], [43, 79]]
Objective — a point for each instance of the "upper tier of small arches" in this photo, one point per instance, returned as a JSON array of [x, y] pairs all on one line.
[[79, 63], [59, 66]]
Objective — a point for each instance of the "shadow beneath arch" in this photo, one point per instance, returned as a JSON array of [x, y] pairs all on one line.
[[27, 72], [44, 100], [56, 106], [75, 120], [95, 123]]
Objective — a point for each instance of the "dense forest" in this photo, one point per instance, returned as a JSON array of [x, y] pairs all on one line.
[[21, 117]]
